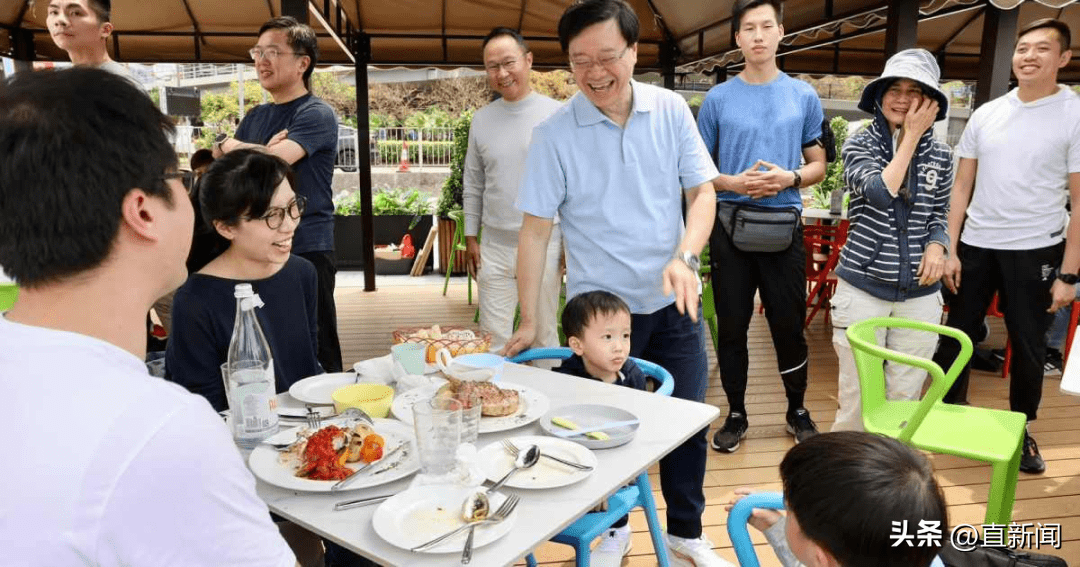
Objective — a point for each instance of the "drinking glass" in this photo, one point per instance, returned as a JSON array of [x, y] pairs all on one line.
[[470, 420], [438, 433]]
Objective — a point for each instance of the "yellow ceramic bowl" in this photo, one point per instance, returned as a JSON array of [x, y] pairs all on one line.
[[375, 399]]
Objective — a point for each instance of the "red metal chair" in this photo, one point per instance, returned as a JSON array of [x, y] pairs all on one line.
[[1074, 315], [823, 243]]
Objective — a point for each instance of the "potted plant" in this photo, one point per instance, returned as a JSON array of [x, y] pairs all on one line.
[[397, 212], [452, 194]]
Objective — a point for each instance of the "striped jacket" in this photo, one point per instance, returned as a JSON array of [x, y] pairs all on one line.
[[888, 234]]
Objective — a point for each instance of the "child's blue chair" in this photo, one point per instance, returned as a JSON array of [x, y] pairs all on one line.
[[740, 536], [736, 524], [582, 532]]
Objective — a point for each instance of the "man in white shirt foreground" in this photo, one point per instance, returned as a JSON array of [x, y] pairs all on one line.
[[1019, 159], [107, 465]]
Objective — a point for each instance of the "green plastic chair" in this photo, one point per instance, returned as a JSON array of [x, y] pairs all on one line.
[[8, 293], [708, 308], [458, 217], [981, 434]]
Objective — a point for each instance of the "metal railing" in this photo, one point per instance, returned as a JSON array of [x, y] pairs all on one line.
[[189, 71], [426, 147]]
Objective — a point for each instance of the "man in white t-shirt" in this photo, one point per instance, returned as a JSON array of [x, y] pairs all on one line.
[[1019, 154], [106, 466], [498, 143], [81, 28]]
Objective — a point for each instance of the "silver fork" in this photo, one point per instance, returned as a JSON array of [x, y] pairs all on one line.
[[314, 420], [500, 514], [513, 450]]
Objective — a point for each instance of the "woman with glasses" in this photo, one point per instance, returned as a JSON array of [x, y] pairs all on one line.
[[246, 199]]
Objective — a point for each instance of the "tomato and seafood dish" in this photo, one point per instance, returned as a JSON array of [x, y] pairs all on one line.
[[323, 455]]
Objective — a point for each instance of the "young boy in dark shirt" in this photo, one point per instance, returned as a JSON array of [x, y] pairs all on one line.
[[597, 328]]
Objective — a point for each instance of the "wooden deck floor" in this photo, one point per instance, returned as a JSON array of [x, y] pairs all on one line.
[[367, 319]]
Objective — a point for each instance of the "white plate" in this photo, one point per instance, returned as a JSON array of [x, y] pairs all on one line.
[[291, 408], [496, 461], [267, 463], [320, 388], [592, 415], [423, 513], [533, 404]]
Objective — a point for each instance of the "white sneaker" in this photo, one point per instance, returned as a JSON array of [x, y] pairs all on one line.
[[614, 544], [693, 552]]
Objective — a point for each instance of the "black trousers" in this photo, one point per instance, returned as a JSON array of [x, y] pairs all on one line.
[[329, 354], [781, 279], [678, 344], [1022, 279]]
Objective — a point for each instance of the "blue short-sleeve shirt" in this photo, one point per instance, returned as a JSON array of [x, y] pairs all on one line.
[[618, 190], [742, 123], [312, 125]]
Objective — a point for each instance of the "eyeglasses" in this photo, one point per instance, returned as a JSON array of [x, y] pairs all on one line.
[[275, 216], [271, 53], [507, 66], [586, 65], [185, 177]]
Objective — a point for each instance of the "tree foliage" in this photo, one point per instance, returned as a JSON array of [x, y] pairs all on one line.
[[558, 85]]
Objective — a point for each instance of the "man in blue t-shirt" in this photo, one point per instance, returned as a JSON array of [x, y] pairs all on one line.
[[301, 129], [760, 127]]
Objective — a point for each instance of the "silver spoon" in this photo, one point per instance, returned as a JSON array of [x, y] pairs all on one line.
[[526, 458], [475, 508]]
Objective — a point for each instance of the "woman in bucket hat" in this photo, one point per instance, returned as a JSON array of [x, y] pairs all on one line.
[[900, 178]]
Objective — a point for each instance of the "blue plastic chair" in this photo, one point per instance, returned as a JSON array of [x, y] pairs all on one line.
[[588, 527], [740, 536], [736, 524]]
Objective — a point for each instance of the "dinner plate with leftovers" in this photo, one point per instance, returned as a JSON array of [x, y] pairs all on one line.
[[505, 405], [317, 459]]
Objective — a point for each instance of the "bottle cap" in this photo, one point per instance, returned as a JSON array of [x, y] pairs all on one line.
[[243, 290]]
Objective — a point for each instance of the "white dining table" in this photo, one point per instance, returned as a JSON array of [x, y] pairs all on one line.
[[665, 423]]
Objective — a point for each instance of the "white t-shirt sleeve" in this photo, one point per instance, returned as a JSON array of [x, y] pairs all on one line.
[[969, 139], [187, 499], [1074, 144]]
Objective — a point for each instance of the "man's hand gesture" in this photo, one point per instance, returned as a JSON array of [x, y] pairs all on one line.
[[678, 277]]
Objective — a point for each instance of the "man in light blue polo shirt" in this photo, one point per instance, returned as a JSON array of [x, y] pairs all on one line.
[[615, 164]]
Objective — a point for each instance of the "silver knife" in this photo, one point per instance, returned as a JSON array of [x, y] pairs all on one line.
[[341, 483], [360, 502]]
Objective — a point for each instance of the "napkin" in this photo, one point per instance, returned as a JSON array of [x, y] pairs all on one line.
[[386, 370]]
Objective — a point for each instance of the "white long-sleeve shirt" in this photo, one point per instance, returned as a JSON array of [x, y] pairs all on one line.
[[495, 162]]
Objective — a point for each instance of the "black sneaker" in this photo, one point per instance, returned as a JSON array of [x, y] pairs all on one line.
[[1031, 461], [1053, 364], [728, 437], [801, 426]]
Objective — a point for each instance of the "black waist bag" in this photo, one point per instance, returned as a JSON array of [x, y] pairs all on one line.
[[997, 557], [754, 228]]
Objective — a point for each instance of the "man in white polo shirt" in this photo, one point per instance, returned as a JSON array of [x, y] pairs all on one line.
[[1019, 154], [615, 163]]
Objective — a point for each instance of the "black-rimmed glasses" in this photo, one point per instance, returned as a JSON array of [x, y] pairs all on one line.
[[275, 216], [185, 177]]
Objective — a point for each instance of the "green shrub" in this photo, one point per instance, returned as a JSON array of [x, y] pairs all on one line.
[[397, 201], [453, 189]]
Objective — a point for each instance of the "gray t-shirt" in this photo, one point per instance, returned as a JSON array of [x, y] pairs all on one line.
[[118, 69]]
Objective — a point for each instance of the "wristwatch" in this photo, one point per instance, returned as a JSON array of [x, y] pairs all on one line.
[[1070, 279], [798, 179], [219, 140], [690, 259]]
